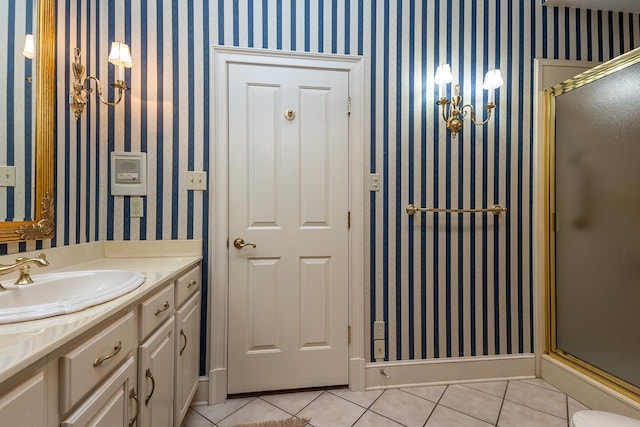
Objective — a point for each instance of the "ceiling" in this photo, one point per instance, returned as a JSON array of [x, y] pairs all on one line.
[[616, 5]]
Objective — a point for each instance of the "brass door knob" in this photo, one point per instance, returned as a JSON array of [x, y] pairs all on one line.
[[239, 243]]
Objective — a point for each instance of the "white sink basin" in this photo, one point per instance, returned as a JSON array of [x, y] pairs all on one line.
[[61, 293]]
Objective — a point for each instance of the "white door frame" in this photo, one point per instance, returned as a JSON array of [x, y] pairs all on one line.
[[218, 217], [567, 68]]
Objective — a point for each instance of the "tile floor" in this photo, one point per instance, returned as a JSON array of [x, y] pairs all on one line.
[[524, 403]]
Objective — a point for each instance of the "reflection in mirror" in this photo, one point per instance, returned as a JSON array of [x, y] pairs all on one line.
[[32, 217], [17, 109]]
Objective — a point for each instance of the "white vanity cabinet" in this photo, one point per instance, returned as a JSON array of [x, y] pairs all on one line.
[[187, 341], [155, 377], [26, 403], [138, 366], [115, 403]]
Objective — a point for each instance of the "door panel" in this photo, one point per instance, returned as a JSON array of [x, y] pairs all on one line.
[[288, 195]]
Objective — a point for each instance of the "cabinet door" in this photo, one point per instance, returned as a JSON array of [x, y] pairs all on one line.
[[115, 403], [187, 354], [155, 377], [26, 404]]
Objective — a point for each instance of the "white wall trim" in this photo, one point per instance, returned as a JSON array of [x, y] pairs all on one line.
[[586, 390], [218, 279], [449, 371]]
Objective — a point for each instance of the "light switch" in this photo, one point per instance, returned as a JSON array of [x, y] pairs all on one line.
[[197, 180], [7, 176], [374, 182], [136, 207]]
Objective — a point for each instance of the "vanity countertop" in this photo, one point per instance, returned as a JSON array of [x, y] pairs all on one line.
[[24, 343]]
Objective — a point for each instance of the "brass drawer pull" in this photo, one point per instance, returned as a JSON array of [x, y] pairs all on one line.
[[185, 341], [133, 395], [116, 349], [164, 307], [153, 386], [192, 283]]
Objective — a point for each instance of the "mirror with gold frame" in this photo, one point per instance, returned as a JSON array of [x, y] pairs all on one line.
[[42, 227]]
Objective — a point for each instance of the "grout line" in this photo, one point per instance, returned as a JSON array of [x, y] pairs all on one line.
[[225, 402]]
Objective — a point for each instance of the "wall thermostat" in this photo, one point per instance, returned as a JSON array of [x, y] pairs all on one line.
[[128, 174]]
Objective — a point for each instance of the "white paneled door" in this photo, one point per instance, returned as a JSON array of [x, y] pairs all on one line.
[[288, 227]]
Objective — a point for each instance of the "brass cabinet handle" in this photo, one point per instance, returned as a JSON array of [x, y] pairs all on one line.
[[185, 341], [153, 386], [192, 283], [239, 243], [116, 349], [164, 307], [133, 395]]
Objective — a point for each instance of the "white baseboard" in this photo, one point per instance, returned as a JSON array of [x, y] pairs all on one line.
[[449, 371], [217, 386], [201, 397], [586, 390]]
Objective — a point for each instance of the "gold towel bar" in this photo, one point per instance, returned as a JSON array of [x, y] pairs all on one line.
[[495, 209]]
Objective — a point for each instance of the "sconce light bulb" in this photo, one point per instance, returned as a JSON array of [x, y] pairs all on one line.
[[29, 46]]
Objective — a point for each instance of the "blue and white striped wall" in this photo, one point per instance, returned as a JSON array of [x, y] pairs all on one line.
[[17, 18], [446, 285]]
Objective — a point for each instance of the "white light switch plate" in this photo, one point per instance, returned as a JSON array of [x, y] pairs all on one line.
[[197, 180], [7, 176], [374, 182]]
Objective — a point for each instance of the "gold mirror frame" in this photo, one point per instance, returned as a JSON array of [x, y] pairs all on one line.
[[42, 227]]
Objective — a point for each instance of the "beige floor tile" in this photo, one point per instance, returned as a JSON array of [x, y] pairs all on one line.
[[362, 398], [477, 404], [445, 417], [292, 402], [194, 419], [539, 398], [574, 406], [403, 407], [514, 415], [371, 419], [432, 393], [253, 412], [329, 410], [219, 411], [496, 388], [540, 383]]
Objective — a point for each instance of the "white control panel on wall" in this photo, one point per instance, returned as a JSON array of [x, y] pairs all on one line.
[[128, 174]]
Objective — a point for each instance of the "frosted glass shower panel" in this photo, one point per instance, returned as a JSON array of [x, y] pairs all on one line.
[[597, 197]]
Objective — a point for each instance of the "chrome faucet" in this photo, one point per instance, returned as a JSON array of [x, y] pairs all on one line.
[[23, 264]]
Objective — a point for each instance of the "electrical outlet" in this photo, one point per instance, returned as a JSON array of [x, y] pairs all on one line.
[[136, 207], [374, 182], [378, 330], [197, 180], [378, 349], [7, 176]]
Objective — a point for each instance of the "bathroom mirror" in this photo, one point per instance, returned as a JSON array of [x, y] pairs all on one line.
[[42, 225]]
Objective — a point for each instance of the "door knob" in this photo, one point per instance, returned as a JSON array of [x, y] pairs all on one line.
[[239, 243]]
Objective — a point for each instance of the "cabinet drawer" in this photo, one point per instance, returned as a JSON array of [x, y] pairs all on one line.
[[187, 285], [155, 310], [86, 365]]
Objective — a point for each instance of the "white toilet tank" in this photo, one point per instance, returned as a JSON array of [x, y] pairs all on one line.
[[591, 418]]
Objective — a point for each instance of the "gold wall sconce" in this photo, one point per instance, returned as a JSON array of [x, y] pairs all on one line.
[[452, 112], [120, 56]]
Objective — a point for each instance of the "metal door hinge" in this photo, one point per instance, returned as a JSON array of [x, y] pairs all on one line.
[[349, 334], [349, 219], [349, 105]]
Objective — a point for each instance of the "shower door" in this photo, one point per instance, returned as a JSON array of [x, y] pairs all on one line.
[[595, 208]]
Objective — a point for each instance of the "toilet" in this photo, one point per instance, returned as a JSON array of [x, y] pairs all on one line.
[[591, 418]]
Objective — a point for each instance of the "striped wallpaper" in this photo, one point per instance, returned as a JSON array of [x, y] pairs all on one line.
[[17, 18], [446, 285]]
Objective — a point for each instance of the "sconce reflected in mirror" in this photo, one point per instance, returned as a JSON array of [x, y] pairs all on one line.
[[452, 113], [120, 56], [29, 46]]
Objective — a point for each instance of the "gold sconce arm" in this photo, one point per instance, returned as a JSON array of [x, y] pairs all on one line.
[[81, 89]]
